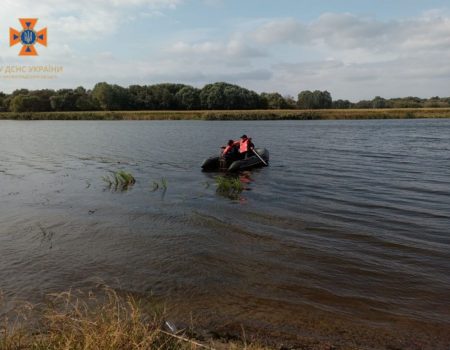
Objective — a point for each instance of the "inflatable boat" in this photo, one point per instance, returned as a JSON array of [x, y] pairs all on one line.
[[219, 164]]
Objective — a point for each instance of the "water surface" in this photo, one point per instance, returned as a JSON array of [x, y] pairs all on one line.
[[345, 237]]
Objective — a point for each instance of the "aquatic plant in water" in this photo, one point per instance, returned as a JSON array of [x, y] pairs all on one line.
[[160, 185], [230, 187], [119, 180]]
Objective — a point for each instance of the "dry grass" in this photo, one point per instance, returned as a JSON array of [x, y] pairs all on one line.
[[91, 322], [401, 113]]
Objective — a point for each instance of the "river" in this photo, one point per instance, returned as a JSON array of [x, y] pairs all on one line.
[[344, 237]]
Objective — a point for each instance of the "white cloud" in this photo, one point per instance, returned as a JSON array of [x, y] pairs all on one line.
[[234, 48], [279, 31], [74, 22], [350, 55], [340, 33], [369, 56], [78, 19]]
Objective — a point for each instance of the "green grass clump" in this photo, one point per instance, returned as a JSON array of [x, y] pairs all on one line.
[[119, 180], [230, 187]]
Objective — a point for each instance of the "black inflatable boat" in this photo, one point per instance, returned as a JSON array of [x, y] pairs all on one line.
[[219, 164]]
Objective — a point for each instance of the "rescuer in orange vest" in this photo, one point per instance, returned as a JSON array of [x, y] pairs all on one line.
[[230, 150], [238, 149], [245, 146]]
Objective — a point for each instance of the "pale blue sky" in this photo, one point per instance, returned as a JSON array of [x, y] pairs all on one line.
[[355, 49]]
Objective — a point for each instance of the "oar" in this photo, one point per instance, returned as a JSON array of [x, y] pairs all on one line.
[[262, 160]]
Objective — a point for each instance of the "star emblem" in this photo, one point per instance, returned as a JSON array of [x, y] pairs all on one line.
[[28, 37]]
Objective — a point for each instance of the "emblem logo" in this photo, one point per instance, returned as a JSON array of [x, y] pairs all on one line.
[[28, 37]]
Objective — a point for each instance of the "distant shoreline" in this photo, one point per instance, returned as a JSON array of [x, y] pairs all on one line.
[[320, 114]]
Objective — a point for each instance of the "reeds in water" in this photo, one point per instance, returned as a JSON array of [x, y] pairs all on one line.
[[230, 187], [119, 180], [286, 114]]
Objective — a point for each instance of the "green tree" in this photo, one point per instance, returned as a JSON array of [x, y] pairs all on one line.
[[111, 97], [30, 101], [342, 104], [305, 100], [141, 98], [164, 95], [314, 100], [407, 102], [273, 100], [290, 101], [3, 106], [25, 103], [159, 96], [212, 96], [103, 93], [64, 100], [322, 99], [85, 102], [227, 96], [363, 104], [188, 98], [379, 102]]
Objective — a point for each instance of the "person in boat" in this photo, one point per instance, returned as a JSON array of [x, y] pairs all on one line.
[[230, 151], [245, 147], [251, 147]]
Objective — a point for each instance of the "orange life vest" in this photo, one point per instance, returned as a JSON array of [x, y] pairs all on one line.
[[227, 150], [243, 146]]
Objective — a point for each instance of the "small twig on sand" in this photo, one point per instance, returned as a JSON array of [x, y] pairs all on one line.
[[187, 340]]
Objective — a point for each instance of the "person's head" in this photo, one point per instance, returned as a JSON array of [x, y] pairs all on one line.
[[230, 143], [244, 137]]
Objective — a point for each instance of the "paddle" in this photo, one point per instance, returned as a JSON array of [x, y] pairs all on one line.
[[262, 160]]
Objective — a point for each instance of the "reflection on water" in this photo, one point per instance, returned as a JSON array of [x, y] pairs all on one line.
[[345, 236]]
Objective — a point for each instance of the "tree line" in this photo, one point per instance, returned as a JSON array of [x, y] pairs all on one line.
[[217, 96]]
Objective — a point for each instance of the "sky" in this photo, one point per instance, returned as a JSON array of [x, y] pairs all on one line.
[[355, 49]]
